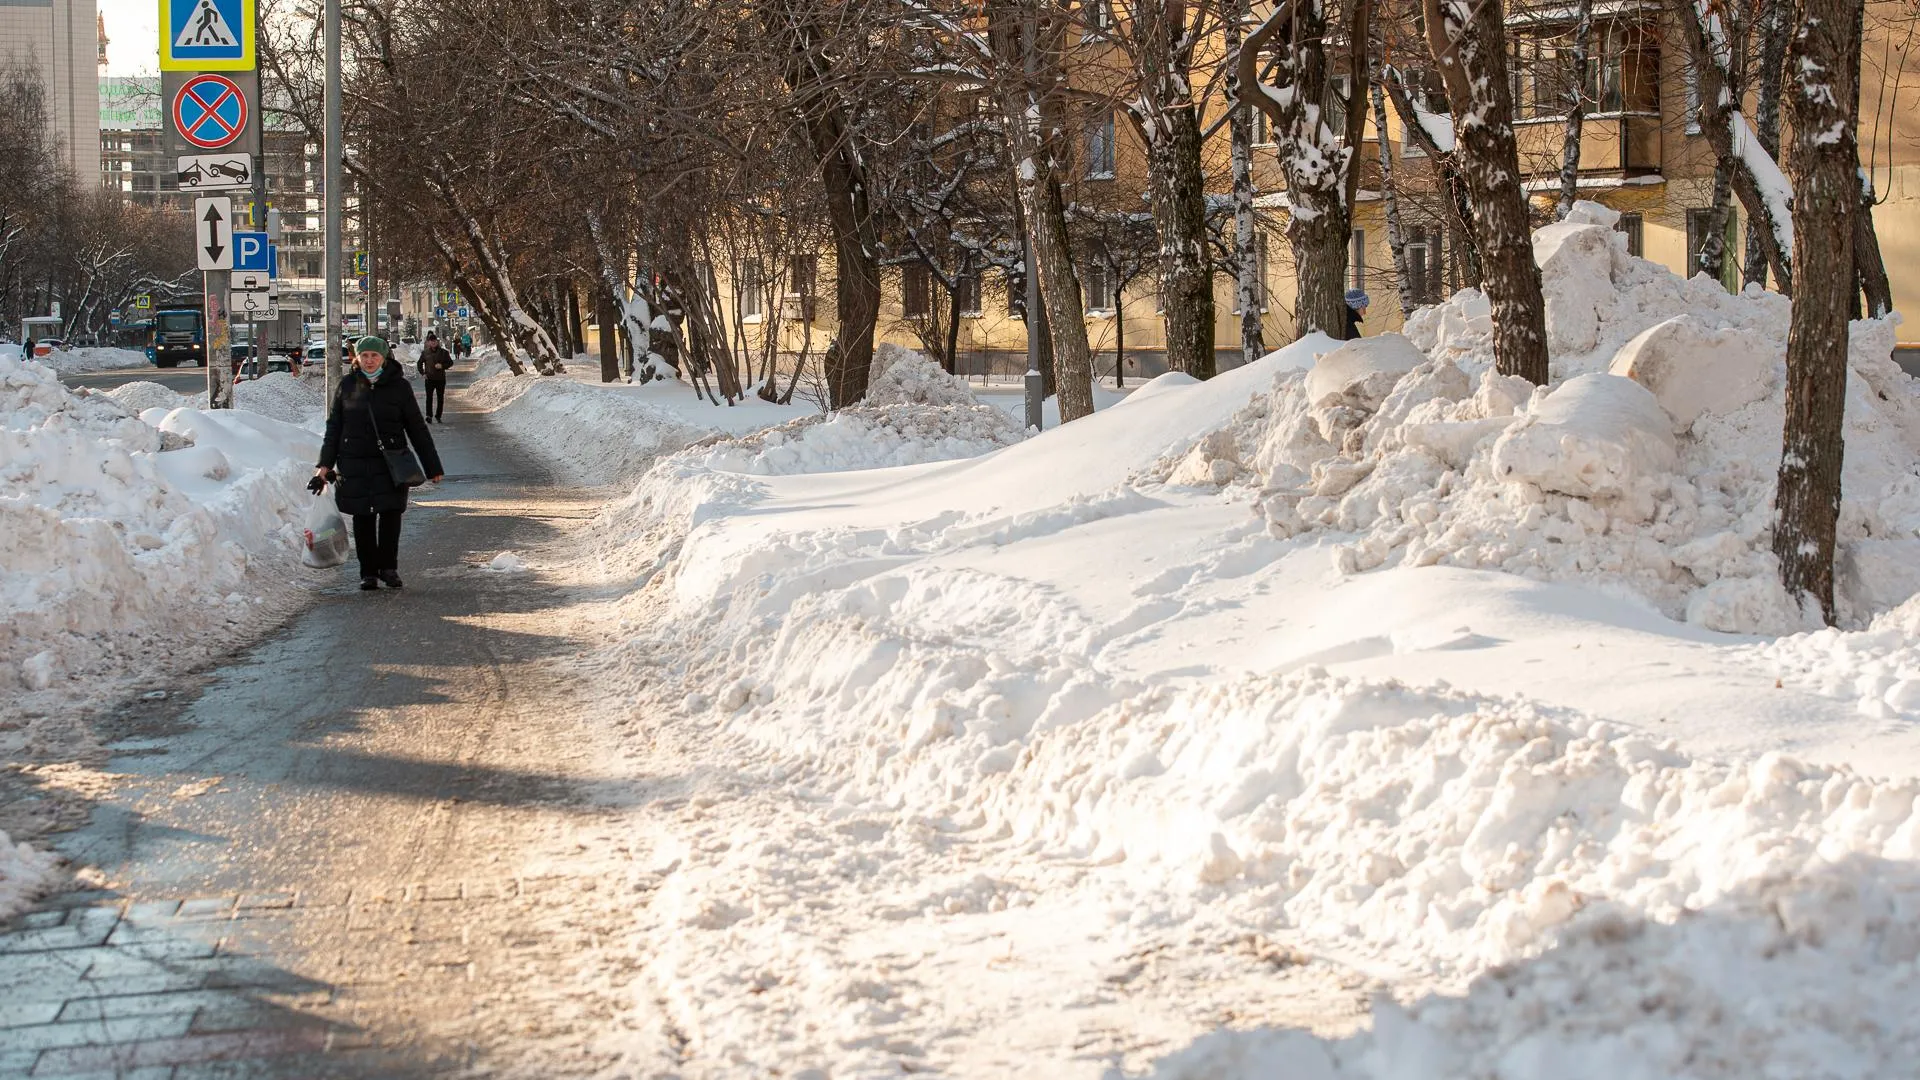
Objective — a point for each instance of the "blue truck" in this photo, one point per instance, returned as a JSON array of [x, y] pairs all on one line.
[[178, 334]]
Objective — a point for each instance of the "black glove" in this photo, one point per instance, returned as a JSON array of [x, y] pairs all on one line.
[[316, 485]]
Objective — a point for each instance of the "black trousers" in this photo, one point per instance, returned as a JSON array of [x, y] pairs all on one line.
[[376, 539], [436, 391]]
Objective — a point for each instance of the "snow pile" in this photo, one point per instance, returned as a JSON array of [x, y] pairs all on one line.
[[24, 875], [138, 397], [868, 437], [1588, 481], [914, 413], [605, 433], [76, 361], [283, 397], [905, 377], [118, 538]]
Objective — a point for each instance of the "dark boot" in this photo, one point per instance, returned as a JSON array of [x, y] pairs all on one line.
[[368, 584], [391, 578]]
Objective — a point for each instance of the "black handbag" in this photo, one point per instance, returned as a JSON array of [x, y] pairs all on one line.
[[401, 464]]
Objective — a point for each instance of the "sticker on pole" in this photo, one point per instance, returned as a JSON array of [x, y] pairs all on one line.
[[206, 35], [210, 111]]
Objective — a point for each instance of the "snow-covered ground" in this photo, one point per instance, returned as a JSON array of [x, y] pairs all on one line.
[[1359, 660]]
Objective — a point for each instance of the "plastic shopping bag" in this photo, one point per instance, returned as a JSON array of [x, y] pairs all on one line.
[[326, 535]]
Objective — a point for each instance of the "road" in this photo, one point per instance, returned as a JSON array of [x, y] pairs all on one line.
[[353, 853], [179, 380]]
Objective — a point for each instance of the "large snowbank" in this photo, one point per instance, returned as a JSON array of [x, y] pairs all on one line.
[[1235, 649], [122, 541]]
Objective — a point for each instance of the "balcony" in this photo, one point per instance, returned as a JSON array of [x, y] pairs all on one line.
[[1612, 145]]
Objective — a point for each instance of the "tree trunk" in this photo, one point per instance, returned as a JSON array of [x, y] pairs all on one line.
[[1119, 334], [1319, 169], [1773, 18], [1869, 267], [1396, 239], [1576, 111], [1713, 251], [1472, 57], [575, 330], [855, 240], [1756, 179], [1177, 188], [949, 362], [1247, 286], [1060, 292], [1458, 200], [609, 351], [1825, 159]]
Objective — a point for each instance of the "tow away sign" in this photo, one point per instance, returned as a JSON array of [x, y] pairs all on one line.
[[215, 172]]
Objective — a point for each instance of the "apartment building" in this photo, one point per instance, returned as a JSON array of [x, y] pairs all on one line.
[[61, 39]]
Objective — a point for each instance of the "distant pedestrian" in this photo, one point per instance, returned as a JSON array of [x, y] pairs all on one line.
[[373, 412], [466, 343], [434, 363], [1357, 304]]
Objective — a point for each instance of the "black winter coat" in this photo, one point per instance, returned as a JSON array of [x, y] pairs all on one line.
[[434, 362], [1353, 324], [363, 484]]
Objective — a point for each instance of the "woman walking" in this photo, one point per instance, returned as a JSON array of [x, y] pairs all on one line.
[[374, 413]]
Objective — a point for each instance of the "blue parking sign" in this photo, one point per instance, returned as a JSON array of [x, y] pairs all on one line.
[[207, 35], [466, 313], [252, 252]]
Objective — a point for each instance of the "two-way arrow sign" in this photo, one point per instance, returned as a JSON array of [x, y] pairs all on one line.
[[213, 232]]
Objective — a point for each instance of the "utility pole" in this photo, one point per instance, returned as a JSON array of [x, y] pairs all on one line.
[[332, 152]]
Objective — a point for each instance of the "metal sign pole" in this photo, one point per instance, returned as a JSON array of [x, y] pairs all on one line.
[[331, 151]]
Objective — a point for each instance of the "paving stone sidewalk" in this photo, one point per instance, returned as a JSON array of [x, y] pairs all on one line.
[[358, 852]]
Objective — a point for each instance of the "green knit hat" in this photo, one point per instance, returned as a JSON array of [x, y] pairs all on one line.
[[370, 343]]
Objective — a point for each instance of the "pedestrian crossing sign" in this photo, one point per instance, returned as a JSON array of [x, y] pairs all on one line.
[[207, 35]]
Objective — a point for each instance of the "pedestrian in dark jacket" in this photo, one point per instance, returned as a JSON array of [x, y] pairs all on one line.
[[434, 364], [374, 411], [1357, 304]]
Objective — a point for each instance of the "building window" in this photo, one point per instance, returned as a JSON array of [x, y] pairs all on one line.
[[1635, 230], [1100, 147], [1096, 282], [1699, 229], [916, 301], [801, 272], [750, 287], [966, 290], [1262, 127], [1097, 14], [1357, 260], [1339, 87], [1424, 264], [1016, 287]]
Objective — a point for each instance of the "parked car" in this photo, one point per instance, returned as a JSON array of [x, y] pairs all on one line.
[[44, 346], [279, 363], [249, 369]]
